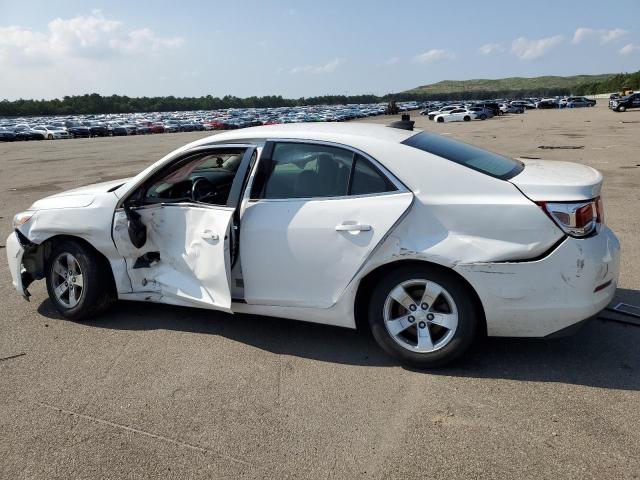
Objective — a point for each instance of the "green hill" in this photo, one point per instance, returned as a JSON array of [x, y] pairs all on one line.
[[512, 84]]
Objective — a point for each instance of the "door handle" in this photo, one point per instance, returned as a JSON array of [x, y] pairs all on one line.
[[352, 227], [210, 235]]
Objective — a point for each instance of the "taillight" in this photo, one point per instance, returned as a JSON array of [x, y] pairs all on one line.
[[578, 219]]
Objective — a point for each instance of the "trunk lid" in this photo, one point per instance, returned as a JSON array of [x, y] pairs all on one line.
[[554, 181]]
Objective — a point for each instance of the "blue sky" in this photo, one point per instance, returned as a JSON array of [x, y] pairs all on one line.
[[303, 48]]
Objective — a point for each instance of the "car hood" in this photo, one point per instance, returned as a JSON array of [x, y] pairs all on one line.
[[76, 198], [554, 181]]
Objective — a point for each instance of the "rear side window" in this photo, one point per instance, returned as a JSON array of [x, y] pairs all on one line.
[[366, 179], [464, 154], [307, 170]]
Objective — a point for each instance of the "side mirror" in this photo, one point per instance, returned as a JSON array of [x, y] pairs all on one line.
[[137, 230]]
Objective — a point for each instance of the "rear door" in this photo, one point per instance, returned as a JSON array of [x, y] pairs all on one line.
[[317, 211], [187, 212]]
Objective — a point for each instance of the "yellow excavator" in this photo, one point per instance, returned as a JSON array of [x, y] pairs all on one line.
[[626, 91]]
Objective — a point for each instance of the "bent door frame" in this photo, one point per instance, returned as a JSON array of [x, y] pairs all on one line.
[[232, 206]]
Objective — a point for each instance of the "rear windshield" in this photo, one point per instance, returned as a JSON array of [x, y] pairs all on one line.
[[473, 157]]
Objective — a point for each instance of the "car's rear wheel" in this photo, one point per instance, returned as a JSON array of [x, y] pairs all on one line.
[[483, 117], [467, 118], [424, 317], [50, 137], [78, 280]]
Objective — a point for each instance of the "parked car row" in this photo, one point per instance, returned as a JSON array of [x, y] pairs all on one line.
[[465, 112], [87, 126], [475, 110]]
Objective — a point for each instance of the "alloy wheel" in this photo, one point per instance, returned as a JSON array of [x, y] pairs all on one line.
[[67, 280], [420, 315]]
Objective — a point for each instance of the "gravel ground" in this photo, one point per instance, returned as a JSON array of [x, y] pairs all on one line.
[[153, 391]]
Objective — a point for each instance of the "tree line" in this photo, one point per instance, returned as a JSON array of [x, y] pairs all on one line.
[[98, 104]]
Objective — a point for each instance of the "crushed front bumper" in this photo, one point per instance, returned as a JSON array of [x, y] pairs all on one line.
[[15, 251]]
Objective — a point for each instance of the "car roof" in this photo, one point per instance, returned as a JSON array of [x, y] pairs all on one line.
[[317, 130]]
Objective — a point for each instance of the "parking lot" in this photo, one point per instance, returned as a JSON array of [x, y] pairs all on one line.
[[149, 391]]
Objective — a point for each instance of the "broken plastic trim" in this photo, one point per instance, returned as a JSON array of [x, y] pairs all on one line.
[[23, 240], [136, 229], [543, 255], [146, 260]]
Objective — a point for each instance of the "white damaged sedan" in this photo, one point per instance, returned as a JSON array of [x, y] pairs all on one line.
[[428, 241]]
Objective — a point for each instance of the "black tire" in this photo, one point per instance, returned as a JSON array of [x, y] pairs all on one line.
[[98, 291], [467, 119], [440, 120], [621, 108], [468, 318], [483, 117]]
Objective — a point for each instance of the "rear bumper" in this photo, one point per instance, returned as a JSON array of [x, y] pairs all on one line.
[[538, 298], [15, 251]]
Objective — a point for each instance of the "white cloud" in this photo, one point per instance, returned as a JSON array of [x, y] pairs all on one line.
[[390, 61], [326, 68], [144, 41], [489, 48], [526, 49], [85, 36], [611, 35], [604, 35], [433, 55], [629, 48]]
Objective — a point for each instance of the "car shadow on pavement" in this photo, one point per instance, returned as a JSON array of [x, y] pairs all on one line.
[[276, 335], [603, 353]]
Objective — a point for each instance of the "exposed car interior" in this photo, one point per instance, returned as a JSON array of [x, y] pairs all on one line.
[[205, 178]]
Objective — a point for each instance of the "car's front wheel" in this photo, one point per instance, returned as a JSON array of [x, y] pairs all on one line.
[[78, 280], [423, 316], [621, 108]]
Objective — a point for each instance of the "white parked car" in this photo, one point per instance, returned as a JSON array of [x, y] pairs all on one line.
[[510, 108], [428, 241], [482, 113], [446, 109], [50, 132], [457, 115]]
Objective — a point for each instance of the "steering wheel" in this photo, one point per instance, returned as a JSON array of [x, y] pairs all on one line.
[[202, 190]]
